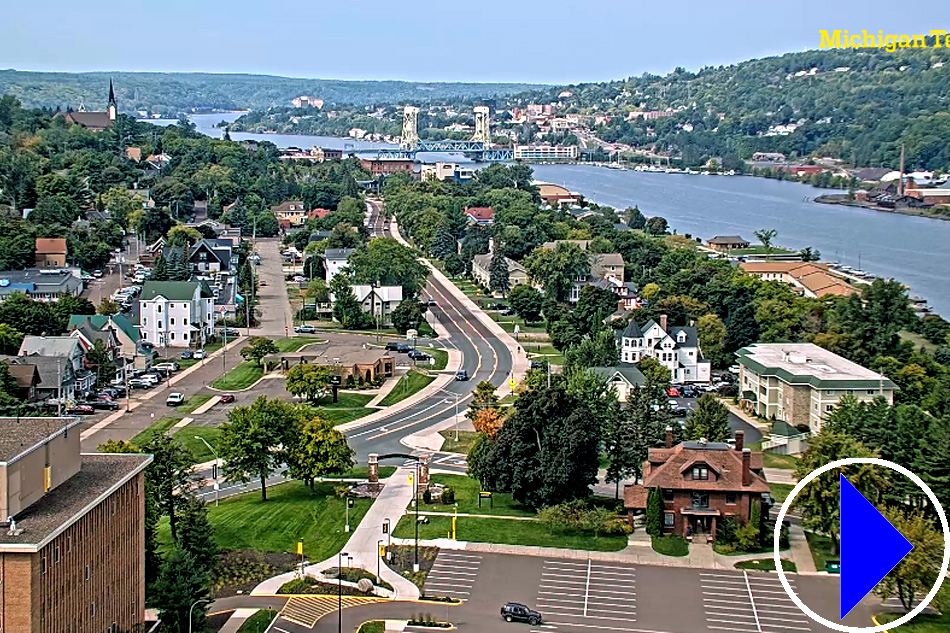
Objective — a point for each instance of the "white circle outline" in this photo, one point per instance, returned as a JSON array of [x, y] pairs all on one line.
[[862, 629]]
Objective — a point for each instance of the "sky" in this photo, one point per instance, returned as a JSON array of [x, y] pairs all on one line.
[[556, 42]]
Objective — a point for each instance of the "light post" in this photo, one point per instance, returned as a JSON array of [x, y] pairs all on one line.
[[415, 564], [339, 582], [191, 610], [216, 466], [379, 557], [389, 534], [457, 397]]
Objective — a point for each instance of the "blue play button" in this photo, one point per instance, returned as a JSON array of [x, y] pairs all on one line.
[[870, 547]]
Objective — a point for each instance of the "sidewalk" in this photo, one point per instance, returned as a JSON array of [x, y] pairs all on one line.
[[780, 476], [766, 429]]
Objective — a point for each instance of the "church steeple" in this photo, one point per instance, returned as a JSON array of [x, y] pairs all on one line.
[[112, 109]]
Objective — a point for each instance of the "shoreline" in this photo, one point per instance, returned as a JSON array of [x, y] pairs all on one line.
[[844, 202]]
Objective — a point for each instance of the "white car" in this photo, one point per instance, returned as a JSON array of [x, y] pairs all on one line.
[[174, 399], [199, 354]]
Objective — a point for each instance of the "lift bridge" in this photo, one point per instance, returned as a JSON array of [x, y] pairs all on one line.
[[478, 148]]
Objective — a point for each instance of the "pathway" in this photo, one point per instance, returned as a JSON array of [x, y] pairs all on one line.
[[780, 476]]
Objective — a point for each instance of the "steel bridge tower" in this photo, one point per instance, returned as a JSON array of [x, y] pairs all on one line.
[[410, 127], [482, 132]]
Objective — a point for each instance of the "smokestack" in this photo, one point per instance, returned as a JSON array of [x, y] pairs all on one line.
[[900, 183], [669, 437], [740, 440], [746, 466], [663, 322]]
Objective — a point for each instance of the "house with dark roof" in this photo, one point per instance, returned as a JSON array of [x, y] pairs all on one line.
[[727, 242], [27, 380], [176, 313], [50, 252], [41, 284], [622, 378], [480, 215], [126, 335], [702, 483], [212, 255], [675, 347]]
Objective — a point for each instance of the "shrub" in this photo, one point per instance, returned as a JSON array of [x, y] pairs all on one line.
[[448, 495], [726, 532], [427, 496], [654, 512], [747, 537]]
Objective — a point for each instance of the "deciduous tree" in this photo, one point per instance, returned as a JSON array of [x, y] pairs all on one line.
[[316, 449], [526, 302], [259, 348], [311, 381]]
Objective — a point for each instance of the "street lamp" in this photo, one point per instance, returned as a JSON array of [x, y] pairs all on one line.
[[191, 610], [216, 466], [457, 396], [339, 582]]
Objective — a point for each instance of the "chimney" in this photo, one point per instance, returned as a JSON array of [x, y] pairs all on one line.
[[669, 437], [663, 322], [740, 440], [746, 466]]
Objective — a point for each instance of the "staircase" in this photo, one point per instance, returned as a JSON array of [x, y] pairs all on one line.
[[307, 610]]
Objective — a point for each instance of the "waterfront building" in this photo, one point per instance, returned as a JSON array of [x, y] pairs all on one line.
[[810, 279], [545, 152]]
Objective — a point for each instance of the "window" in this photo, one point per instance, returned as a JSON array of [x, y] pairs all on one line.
[[87, 573], [667, 494], [173, 336], [829, 407], [44, 565], [668, 519], [700, 500], [700, 472], [159, 325], [171, 306], [730, 497], [871, 392], [185, 321], [171, 321], [144, 321], [56, 554], [159, 308]]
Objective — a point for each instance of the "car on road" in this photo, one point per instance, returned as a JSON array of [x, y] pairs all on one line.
[[229, 332], [187, 355], [461, 375], [227, 398], [392, 347], [97, 274], [103, 403], [431, 303], [80, 409], [175, 399], [305, 329], [517, 612], [199, 354]]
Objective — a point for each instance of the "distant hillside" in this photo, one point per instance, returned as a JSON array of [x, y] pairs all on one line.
[[173, 93]]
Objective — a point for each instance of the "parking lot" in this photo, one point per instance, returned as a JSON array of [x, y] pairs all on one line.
[[587, 593], [750, 603], [453, 574]]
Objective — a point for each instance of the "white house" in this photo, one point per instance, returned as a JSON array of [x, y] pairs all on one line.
[[176, 313], [676, 348], [379, 302], [334, 259]]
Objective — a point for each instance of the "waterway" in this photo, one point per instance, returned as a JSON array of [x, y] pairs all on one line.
[[914, 250]]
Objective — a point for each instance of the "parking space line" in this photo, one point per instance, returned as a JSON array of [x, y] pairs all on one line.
[[752, 600], [451, 572], [791, 628], [726, 628], [605, 628], [564, 582], [587, 588], [726, 595], [615, 593], [550, 575]]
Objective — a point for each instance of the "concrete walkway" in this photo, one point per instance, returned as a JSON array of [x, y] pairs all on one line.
[[388, 385], [237, 620], [430, 440], [745, 417], [780, 476], [801, 553]]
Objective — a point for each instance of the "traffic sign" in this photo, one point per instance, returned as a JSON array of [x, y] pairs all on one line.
[[870, 546]]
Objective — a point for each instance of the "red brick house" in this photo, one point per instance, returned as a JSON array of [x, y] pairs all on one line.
[[702, 482]]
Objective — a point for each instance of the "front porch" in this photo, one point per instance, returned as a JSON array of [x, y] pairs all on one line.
[[700, 522]]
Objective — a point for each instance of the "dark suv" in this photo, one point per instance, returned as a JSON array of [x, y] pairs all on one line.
[[516, 612]]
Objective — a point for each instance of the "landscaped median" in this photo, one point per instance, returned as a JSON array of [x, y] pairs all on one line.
[[249, 372], [259, 622], [411, 383]]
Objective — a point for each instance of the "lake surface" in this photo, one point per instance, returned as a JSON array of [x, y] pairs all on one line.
[[911, 249]]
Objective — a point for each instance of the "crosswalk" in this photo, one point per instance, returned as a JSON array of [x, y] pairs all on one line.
[[449, 459], [750, 603], [453, 574], [585, 595], [307, 610]]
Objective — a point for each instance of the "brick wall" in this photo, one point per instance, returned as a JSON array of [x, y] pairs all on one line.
[[717, 500]]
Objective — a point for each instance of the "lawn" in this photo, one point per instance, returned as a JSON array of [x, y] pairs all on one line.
[[373, 626], [765, 564], [410, 384], [294, 343], [196, 447], [780, 492], [241, 377], [776, 460], [192, 403], [291, 513], [440, 355], [362, 472], [820, 546], [156, 428], [350, 406], [531, 533], [920, 624], [508, 324], [259, 622], [671, 545], [758, 249], [464, 443], [466, 496]]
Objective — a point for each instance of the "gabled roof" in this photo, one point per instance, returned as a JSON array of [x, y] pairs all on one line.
[[51, 369], [89, 119], [692, 339], [287, 206], [100, 321], [50, 246], [171, 290], [338, 253], [480, 214], [727, 239], [630, 374], [26, 375], [665, 468], [59, 346], [632, 330], [383, 293]]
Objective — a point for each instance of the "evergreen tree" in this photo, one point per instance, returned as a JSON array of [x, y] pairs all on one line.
[[169, 472], [710, 420], [346, 309], [933, 463], [195, 534], [160, 270], [182, 582], [444, 244], [654, 521], [498, 280]]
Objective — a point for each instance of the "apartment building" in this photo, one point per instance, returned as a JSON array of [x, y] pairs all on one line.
[[176, 313]]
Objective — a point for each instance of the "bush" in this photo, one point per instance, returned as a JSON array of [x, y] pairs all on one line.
[[726, 532], [655, 512], [747, 537], [448, 495], [427, 497], [307, 314]]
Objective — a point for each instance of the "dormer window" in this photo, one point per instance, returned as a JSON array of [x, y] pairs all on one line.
[[681, 337], [700, 473]]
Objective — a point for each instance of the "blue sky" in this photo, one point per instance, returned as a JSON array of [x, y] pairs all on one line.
[[528, 40]]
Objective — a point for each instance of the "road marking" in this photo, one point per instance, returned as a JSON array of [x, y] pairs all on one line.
[[556, 593], [280, 630], [791, 628], [606, 628], [628, 617], [595, 591], [564, 582], [725, 595], [726, 628], [752, 600], [564, 563], [587, 588]]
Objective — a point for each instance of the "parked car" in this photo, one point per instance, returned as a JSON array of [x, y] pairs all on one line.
[[138, 383], [187, 355], [80, 409], [517, 612], [392, 347], [104, 404], [305, 329], [227, 398], [673, 392], [402, 348], [230, 332], [461, 375], [168, 366], [199, 354], [679, 412], [507, 312], [174, 399], [418, 355], [97, 274]]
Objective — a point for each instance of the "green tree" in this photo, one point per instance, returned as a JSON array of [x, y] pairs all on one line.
[[317, 291], [657, 226], [181, 583], [99, 358], [10, 339], [311, 381], [258, 349], [160, 270], [182, 236], [169, 472], [712, 338], [346, 309], [386, 262], [318, 450], [195, 533], [483, 397], [498, 280], [408, 311], [765, 236], [251, 439], [709, 420], [68, 306], [108, 307], [555, 269], [655, 373], [917, 572], [634, 218], [526, 302], [454, 265], [654, 516]]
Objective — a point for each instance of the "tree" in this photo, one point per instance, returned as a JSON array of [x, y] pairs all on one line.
[[195, 533], [655, 373], [917, 572], [169, 473], [258, 348], [182, 582], [766, 236], [593, 306], [809, 254], [598, 349], [160, 270], [386, 262], [10, 339], [498, 279], [649, 291], [654, 519], [634, 218], [65, 307], [182, 236], [712, 338], [488, 421], [657, 226], [709, 420], [408, 311], [311, 381], [526, 302], [484, 397], [317, 291], [250, 440], [346, 309], [555, 269], [318, 450], [100, 360], [932, 464], [454, 265], [444, 244], [108, 307]]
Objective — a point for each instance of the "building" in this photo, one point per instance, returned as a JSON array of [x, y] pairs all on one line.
[[810, 279], [727, 242], [72, 545], [675, 347], [176, 313], [94, 121], [801, 383], [369, 364], [125, 333], [480, 215], [306, 101], [447, 171], [768, 157], [384, 166], [41, 284], [318, 214], [50, 252], [215, 255], [334, 259], [556, 194], [545, 152], [27, 380], [626, 292], [621, 378], [481, 271], [702, 483], [290, 211], [378, 301]]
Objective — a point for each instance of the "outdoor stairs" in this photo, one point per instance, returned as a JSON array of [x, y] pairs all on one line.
[[307, 610]]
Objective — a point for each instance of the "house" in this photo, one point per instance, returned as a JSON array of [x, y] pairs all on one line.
[[50, 252], [126, 334], [157, 162], [59, 346], [447, 171], [702, 483], [626, 292], [46, 285], [555, 195], [385, 166], [801, 383], [367, 364], [176, 313], [621, 378], [768, 157], [94, 121], [213, 255], [72, 536], [727, 243], [602, 266], [60, 361], [334, 259], [318, 214], [481, 271], [27, 380], [379, 301], [810, 279], [675, 347], [290, 212], [480, 215]]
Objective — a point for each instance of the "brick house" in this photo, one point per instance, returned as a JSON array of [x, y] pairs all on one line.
[[50, 252], [701, 482]]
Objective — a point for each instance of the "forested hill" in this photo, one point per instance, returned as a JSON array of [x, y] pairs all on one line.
[[848, 103], [174, 93]]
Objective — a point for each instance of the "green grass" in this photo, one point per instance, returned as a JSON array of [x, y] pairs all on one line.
[[374, 626], [776, 460], [464, 443], [294, 343], [440, 355], [766, 564], [192, 403], [362, 472], [410, 384], [758, 249], [920, 624], [530, 533], [671, 545], [918, 341], [156, 428], [198, 450], [258, 622], [466, 496], [780, 492], [820, 546], [351, 406], [241, 377]]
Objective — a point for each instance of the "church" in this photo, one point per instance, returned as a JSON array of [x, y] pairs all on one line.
[[95, 121]]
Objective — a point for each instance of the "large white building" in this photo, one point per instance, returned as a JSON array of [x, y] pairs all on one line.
[[675, 347], [545, 152], [334, 259], [176, 313]]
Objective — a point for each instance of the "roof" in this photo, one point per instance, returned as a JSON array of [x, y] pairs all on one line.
[[872, 174], [808, 364], [814, 277], [99, 476], [20, 435], [36, 281], [635, 497], [315, 214], [727, 239], [50, 246], [60, 346], [665, 468], [629, 373], [171, 290], [338, 253], [26, 375], [288, 205], [383, 293], [99, 321], [600, 262], [482, 214], [90, 119], [484, 261], [692, 338], [53, 370]]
